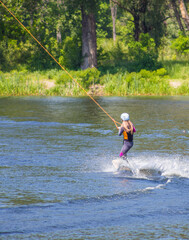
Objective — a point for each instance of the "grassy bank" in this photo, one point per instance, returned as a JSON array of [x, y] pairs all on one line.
[[173, 79]]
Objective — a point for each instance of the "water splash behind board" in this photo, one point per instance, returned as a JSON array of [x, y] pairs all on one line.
[[154, 166]]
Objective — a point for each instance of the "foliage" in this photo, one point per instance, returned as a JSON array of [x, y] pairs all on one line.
[[18, 83], [84, 77], [44, 19], [13, 54], [70, 54], [4, 60], [177, 69], [143, 54], [111, 54], [122, 64], [121, 84], [181, 44], [182, 90], [104, 21], [144, 82], [147, 16], [58, 26], [124, 27], [133, 56]]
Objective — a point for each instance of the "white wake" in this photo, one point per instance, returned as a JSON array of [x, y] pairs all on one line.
[[167, 166]]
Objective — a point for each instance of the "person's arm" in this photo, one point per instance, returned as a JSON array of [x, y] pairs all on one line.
[[121, 129], [134, 130]]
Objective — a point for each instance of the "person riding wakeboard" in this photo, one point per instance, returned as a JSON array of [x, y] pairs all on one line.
[[127, 129]]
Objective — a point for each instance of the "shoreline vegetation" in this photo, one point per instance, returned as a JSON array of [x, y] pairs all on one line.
[[170, 80], [142, 49]]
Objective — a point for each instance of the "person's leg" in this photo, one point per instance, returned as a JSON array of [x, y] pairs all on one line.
[[125, 148]]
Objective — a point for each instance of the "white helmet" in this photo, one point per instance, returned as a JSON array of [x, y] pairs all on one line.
[[125, 116]]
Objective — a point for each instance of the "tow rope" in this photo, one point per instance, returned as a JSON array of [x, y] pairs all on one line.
[[115, 122]]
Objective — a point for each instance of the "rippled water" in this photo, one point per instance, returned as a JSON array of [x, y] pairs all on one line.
[[57, 180]]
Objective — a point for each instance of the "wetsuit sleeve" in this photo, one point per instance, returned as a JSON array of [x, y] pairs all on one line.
[[121, 130]]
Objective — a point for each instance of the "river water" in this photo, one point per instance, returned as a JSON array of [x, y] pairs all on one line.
[[57, 180]]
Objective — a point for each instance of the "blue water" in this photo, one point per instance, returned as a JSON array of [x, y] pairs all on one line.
[[57, 180]]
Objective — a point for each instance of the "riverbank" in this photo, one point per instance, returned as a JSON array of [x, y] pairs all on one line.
[[173, 79]]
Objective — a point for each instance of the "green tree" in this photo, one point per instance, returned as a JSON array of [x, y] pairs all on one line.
[[88, 10], [181, 45], [142, 54], [148, 16], [70, 54], [104, 21], [48, 20]]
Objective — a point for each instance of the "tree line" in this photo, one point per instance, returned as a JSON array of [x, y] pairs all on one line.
[[92, 33]]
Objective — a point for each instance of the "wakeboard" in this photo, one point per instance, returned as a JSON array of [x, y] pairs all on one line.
[[122, 166]]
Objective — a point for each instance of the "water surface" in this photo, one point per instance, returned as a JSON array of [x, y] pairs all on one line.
[[57, 180]]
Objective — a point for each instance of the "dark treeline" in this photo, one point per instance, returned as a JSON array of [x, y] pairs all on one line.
[[92, 33]]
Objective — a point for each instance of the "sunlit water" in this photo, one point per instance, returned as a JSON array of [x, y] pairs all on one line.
[[57, 180]]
